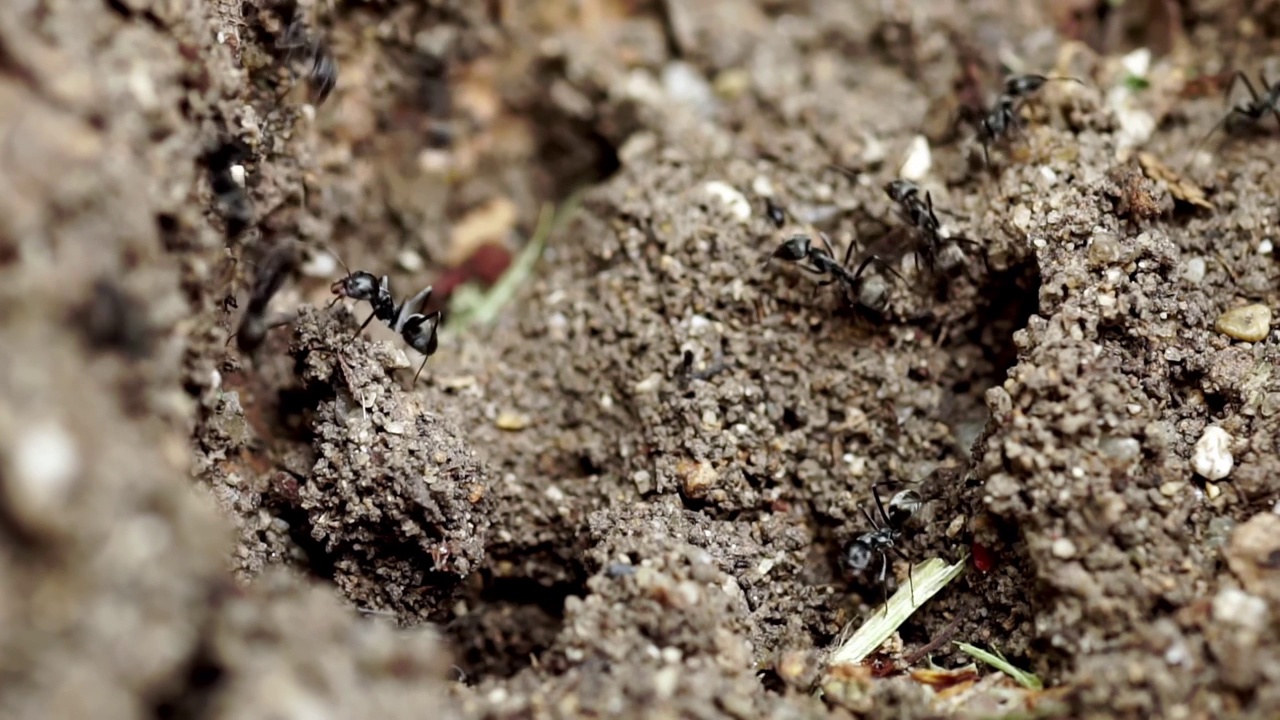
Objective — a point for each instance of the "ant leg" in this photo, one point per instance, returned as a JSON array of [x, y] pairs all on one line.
[[880, 263], [870, 520], [826, 244], [928, 198], [879, 505], [982, 250], [884, 583], [362, 327], [911, 584], [1253, 92], [1273, 94]]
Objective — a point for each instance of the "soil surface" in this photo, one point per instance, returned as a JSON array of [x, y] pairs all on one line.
[[627, 490]]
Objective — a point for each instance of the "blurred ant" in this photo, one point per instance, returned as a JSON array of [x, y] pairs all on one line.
[[883, 538], [236, 208], [1249, 111], [324, 66], [280, 263], [918, 212], [418, 330], [1002, 117], [775, 212]]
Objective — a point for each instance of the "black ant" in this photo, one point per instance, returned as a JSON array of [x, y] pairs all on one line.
[[775, 212], [1002, 117], [1250, 111], [883, 538], [822, 261], [324, 66], [916, 208], [418, 330], [237, 209], [280, 263]]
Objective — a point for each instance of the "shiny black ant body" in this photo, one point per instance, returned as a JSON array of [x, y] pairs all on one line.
[[418, 330], [883, 538], [1249, 111], [1002, 117]]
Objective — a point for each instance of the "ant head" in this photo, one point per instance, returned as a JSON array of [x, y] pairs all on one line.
[[857, 556], [795, 249], [900, 190], [359, 285]]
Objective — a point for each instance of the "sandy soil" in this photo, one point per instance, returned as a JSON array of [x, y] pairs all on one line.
[[628, 495]]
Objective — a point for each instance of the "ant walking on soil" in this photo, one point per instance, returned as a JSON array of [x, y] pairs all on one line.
[[883, 538], [1250, 111], [916, 208], [1002, 117], [820, 260], [418, 330]]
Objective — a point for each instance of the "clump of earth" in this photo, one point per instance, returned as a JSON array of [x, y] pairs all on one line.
[[626, 479]]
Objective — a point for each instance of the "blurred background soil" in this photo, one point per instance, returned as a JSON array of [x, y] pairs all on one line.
[[626, 491]]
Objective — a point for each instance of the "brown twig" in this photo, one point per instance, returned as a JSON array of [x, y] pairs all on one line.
[[938, 641]]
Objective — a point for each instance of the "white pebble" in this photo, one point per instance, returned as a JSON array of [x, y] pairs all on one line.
[[737, 203], [1265, 247], [409, 260], [237, 174], [321, 265], [1063, 549], [1211, 458], [1194, 270], [1022, 217], [45, 464], [918, 161], [762, 186], [1232, 606], [1137, 62]]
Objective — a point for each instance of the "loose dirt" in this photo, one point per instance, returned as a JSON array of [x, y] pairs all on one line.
[[627, 496]]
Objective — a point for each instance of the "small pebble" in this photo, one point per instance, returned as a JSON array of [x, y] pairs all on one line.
[[1250, 323], [1063, 549], [918, 161], [1194, 270], [696, 477], [1211, 458], [513, 421], [738, 205], [1265, 247]]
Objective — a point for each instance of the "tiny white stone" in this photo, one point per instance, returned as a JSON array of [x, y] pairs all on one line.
[[762, 186], [1194, 270], [45, 463], [237, 174], [737, 203], [409, 260], [919, 160], [1211, 458], [649, 384], [215, 380], [1063, 549], [1236, 607], [1137, 62], [1265, 247], [321, 265]]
